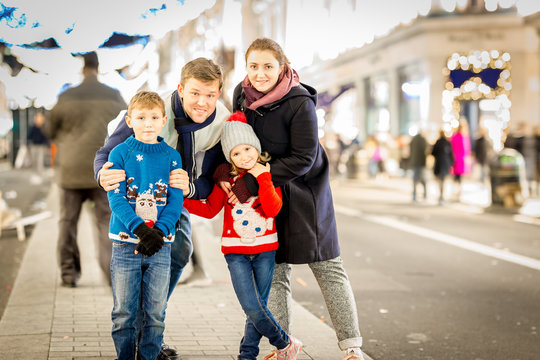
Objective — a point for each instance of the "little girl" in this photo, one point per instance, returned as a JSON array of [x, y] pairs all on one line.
[[249, 239]]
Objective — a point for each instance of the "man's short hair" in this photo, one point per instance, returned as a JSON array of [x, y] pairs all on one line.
[[91, 60], [202, 69], [146, 100]]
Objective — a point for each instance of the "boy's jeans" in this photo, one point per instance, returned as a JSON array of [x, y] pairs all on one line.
[[251, 276], [139, 282], [181, 249]]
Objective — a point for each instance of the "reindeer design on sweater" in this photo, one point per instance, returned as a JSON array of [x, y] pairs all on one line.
[[248, 223], [146, 203]]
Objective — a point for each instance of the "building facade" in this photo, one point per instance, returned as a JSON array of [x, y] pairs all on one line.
[[475, 66]]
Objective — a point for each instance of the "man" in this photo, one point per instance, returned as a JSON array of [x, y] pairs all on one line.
[[418, 153], [78, 124], [195, 118]]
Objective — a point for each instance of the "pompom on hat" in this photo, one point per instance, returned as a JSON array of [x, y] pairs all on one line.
[[236, 131]]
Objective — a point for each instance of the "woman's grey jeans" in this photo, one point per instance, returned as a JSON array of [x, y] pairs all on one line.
[[336, 290]]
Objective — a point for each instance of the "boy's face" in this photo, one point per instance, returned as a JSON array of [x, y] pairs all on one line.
[[244, 156], [146, 124], [199, 98]]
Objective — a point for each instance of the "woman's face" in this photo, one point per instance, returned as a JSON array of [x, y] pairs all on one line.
[[263, 70]]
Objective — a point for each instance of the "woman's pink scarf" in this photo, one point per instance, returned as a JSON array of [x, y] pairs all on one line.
[[286, 80]]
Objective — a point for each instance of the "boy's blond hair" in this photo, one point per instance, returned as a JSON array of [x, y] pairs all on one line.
[[202, 69], [146, 100]]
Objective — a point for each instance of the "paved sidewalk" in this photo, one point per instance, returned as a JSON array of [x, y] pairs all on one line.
[[44, 320]]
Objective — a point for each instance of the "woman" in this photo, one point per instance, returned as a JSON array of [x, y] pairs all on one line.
[[461, 148], [444, 159], [281, 110]]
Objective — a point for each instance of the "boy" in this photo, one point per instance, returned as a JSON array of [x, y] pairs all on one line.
[[144, 213], [195, 119]]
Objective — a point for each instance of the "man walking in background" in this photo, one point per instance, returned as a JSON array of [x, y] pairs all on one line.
[[78, 125], [418, 162]]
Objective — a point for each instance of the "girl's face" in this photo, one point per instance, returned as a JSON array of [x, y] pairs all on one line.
[[263, 70], [244, 156]]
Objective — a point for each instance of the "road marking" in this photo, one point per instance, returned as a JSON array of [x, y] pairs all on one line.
[[445, 238], [526, 219]]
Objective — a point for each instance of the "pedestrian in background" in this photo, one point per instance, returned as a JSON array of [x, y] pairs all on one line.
[[524, 141], [39, 144], [403, 142], [461, 149], [482, 149], [194, 121], [536, 189], [78, 125], [281, 110], [249, 238], [145, 210], [444, 159], [417, 161]]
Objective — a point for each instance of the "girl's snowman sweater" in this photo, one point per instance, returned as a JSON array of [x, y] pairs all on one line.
[[248, 228]]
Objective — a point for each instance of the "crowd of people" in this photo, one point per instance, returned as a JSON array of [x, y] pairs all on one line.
[[447, 158]]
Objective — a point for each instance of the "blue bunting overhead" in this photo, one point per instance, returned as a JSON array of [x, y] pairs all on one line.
[[82, 26]]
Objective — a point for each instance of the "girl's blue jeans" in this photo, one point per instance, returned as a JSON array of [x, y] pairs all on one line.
[[139, 283], [251, 277]]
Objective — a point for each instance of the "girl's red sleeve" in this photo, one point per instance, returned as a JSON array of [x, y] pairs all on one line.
[[269, 195], [207, 208]]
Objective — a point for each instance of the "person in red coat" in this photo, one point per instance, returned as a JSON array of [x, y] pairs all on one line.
[[461, 148], [249, 239]]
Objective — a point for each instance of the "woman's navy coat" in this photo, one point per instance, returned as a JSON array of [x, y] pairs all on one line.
[[288, 131]]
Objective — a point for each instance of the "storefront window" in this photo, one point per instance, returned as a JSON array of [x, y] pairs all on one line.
[[413, 100], [378, 115]]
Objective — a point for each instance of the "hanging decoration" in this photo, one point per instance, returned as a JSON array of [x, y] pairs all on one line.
[[476, 76]]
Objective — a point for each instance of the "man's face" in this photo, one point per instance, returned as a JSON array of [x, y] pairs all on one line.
[[199, 98]]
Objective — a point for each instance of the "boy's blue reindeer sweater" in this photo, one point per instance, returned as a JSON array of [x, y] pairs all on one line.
[[145, 195]]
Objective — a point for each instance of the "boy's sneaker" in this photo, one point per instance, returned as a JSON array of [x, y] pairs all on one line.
[[291, 351], [353, 354]]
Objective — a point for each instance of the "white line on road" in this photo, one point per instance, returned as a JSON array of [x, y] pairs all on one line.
[[444, 238]]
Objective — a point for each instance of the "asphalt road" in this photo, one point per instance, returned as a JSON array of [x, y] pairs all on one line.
[[420, 294]]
